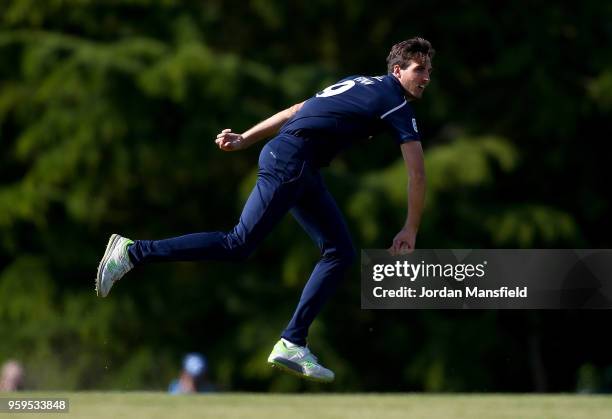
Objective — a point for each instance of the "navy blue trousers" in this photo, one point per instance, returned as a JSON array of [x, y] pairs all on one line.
[[286, 182]]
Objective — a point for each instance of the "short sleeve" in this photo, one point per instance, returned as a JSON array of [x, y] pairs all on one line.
[[402, 123]]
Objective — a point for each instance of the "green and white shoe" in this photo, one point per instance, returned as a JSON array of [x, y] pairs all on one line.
[[298, 360], [114, 264]]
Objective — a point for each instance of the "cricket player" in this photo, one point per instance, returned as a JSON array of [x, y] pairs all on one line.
[[306, 137]]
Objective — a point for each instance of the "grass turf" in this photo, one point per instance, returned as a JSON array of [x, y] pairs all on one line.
[[320, 406]]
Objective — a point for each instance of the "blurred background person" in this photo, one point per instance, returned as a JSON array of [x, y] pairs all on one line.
[[194, 377], [12, 376]]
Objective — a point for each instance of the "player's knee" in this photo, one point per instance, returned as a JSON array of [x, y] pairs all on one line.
[[238, 250], [344, 256]]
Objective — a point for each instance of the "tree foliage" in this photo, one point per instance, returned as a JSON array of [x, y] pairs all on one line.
[[108, 112]]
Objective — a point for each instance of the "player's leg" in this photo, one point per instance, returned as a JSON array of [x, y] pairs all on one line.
[[319, 215], [276, 190], [269, 200]]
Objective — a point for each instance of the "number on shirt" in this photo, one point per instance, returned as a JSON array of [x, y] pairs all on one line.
[[336, 89]]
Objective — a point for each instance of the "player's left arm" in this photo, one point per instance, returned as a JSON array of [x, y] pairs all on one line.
[[404, 241], [230, 141]]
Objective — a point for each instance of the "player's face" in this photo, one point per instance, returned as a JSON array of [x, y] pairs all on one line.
[[414, 78]]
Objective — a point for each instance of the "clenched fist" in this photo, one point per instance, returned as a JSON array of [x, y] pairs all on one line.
[[229, 141]]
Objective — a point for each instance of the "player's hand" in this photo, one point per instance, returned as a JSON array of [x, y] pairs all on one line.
[[229, 141], [403, 242]]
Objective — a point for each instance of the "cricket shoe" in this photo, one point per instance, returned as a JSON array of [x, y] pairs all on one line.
[[298, 360], [114, 264]]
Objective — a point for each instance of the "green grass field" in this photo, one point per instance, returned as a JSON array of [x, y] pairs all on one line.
[[357, 406]]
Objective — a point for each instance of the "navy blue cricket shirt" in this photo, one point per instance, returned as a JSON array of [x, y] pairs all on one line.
[[355, 108]]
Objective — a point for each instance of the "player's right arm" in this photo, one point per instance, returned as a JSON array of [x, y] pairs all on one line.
[[231, 141]]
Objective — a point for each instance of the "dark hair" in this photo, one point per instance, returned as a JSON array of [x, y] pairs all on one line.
[[402, 53]]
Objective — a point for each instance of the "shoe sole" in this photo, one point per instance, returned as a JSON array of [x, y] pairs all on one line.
[[111, 244], [294, 369]]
